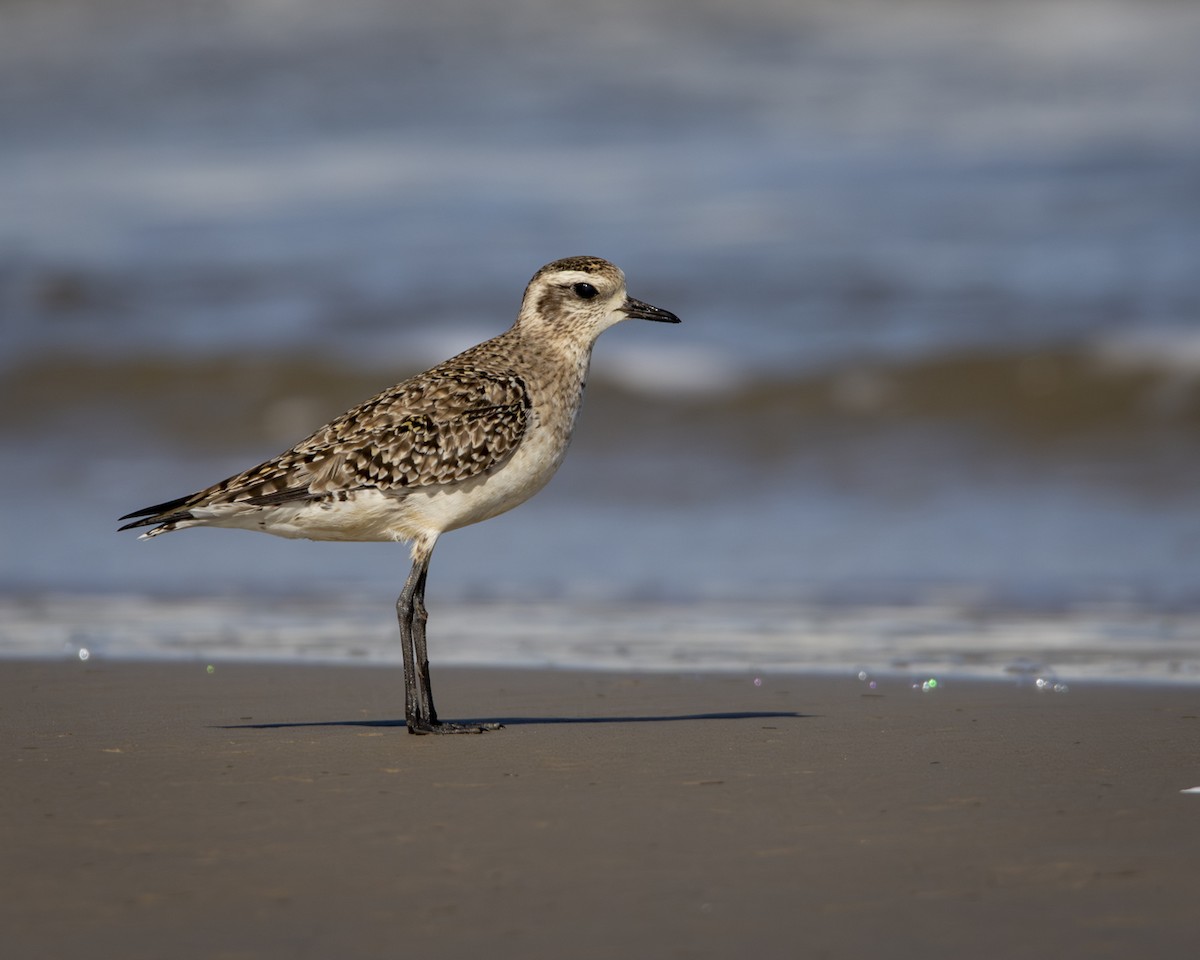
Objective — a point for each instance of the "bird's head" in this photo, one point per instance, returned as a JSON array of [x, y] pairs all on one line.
[[582, 297]]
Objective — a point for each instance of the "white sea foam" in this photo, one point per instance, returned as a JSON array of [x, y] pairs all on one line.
[[670, 368], [1040, 651], [1169, 348]]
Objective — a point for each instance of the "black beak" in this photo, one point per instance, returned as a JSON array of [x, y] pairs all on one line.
[[637, 310]]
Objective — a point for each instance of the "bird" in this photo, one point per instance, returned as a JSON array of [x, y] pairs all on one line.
[[463, 442]]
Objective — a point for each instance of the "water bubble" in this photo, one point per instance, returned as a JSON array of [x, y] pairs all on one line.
[[209, 669], [863, 675], [84, 653], [927, 686], [757, 680]]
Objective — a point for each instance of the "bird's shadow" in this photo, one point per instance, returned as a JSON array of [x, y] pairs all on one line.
[[530, 721]]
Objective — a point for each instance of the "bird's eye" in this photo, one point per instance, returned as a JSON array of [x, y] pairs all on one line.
[[585, 291]]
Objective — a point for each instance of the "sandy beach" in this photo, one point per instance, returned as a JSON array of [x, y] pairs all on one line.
[[262, 811]]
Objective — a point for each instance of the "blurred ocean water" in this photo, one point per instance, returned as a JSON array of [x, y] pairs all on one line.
[[937, 265]]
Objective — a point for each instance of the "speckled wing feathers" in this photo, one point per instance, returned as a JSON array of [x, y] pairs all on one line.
[[456, 421], [442, 427]]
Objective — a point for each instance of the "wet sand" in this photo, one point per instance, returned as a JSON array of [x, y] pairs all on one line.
[[261, 811]]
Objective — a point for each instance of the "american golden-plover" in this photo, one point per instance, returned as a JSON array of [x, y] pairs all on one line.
[[462, 442]]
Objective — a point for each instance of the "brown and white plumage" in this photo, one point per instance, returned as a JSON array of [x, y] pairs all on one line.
[[462, 442], [351, 479]]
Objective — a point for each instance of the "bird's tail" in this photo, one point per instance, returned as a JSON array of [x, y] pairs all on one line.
[[162, 516]]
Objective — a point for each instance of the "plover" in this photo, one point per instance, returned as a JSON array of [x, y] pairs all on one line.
[[462, 442]]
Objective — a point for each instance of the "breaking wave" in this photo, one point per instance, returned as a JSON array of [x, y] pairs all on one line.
[[1119, 387]]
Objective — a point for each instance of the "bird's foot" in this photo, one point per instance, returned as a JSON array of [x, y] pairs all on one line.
[[422, 727]]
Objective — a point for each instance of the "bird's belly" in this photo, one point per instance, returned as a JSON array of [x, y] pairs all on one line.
[[358, 515], [481, 498]]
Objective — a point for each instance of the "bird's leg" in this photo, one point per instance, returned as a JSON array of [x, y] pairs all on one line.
[[419, 711], [404, 614], [420, 616]]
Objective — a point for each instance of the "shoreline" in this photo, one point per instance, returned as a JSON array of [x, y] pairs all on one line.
[[155, 809], [938, 639]]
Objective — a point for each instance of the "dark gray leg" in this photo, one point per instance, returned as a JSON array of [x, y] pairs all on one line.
[[420, 617], [413, 708], [419, 711]]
